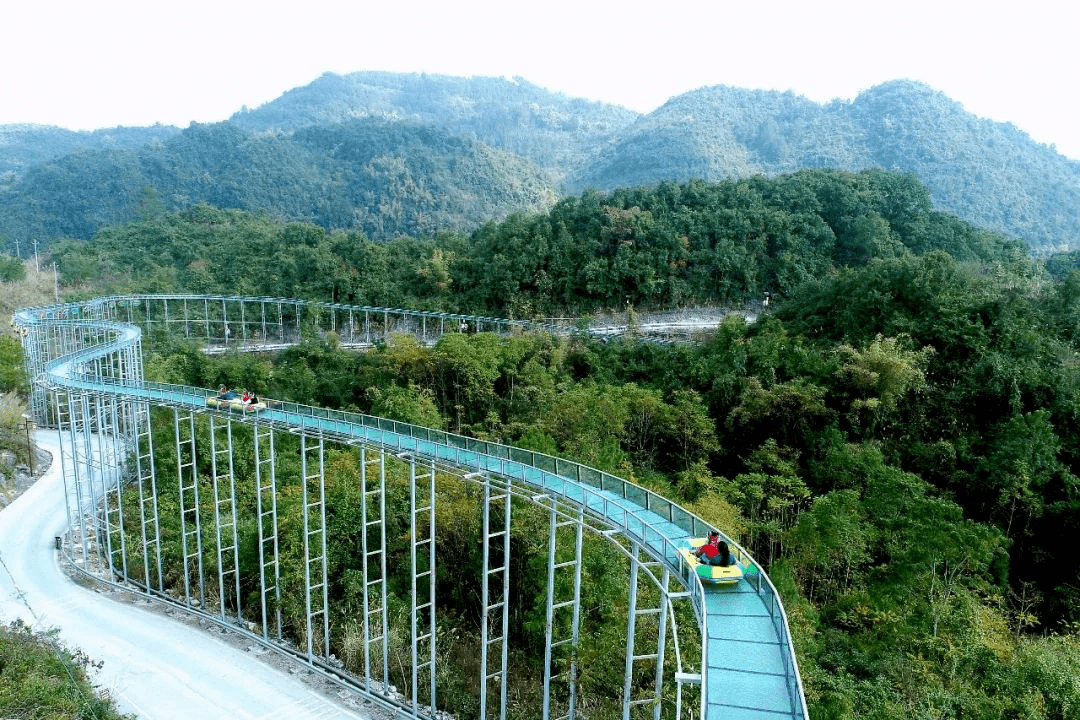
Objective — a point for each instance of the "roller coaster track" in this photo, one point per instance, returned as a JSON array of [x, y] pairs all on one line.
[[712, 653]]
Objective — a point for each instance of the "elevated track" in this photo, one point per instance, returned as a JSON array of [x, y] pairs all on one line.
[[713, 653]]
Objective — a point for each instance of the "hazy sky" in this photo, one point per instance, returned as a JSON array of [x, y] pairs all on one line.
[[86, 65]]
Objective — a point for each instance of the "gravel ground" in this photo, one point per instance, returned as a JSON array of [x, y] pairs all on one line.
[[16, 479]]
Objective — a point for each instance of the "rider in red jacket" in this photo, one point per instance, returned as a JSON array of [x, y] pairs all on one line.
[[715, 551]]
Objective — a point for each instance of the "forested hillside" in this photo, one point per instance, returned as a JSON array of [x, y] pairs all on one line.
[[383, 178], [393, 154], [721, 132], [675, 245], [896, 437], [23, 146], [553, 131], [991, 174]]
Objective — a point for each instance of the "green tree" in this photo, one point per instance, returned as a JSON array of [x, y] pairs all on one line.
[[771, 496], [12, 366], [790, 413], [831, 545], [693, 431], [410, 404], [12, 269], [878, 377]]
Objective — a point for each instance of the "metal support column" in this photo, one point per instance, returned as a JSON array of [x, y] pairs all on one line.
[[373, 499], [316, 601], [70, 422], [187, 470], [110, 446], [225, 331], [266, 508], [495, 610], [634, 613], [206, 319], [149, 519], [562, 636], [422, 516], [661, 641], [224, 486], [83, 460]]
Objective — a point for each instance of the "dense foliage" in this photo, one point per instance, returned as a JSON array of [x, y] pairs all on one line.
[[23, 146], [915, 505], [380, 177], [667, 246], [553, 131], [393, 154], [895, 438]]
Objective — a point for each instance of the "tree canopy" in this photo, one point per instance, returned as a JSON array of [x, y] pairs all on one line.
[[668, 246], [895, 436]]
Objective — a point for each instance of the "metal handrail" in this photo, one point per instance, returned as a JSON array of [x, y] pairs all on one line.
[[522, 458]]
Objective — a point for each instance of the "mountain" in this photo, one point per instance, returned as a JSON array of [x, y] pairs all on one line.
[[720, 133], [23, 146], [385, 178], [989, 173], [414, 154], [550, 129]]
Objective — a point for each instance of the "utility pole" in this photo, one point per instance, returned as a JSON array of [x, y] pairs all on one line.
[[56, 282], [36, 266], [30, 449]]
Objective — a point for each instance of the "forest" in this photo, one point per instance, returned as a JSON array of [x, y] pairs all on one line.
[[674, 245], [895, 437], [393, 154]]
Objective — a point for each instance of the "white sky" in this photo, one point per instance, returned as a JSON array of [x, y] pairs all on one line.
[[87, 65]]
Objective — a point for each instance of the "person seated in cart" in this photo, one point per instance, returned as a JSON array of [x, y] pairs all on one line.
[[231, 400], [715, 551]]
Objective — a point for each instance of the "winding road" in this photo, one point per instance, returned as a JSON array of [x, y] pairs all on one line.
[[155, 667]]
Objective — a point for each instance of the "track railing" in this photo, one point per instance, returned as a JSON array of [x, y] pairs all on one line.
[[94, 348]]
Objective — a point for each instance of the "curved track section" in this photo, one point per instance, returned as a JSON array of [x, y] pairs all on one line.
[[85, 361]]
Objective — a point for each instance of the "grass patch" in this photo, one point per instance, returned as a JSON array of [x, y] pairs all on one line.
[[40, 678]]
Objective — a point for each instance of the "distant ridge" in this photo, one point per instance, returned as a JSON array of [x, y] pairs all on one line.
[[989, 173], [25, 145], [548, 128], [465, 150]]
